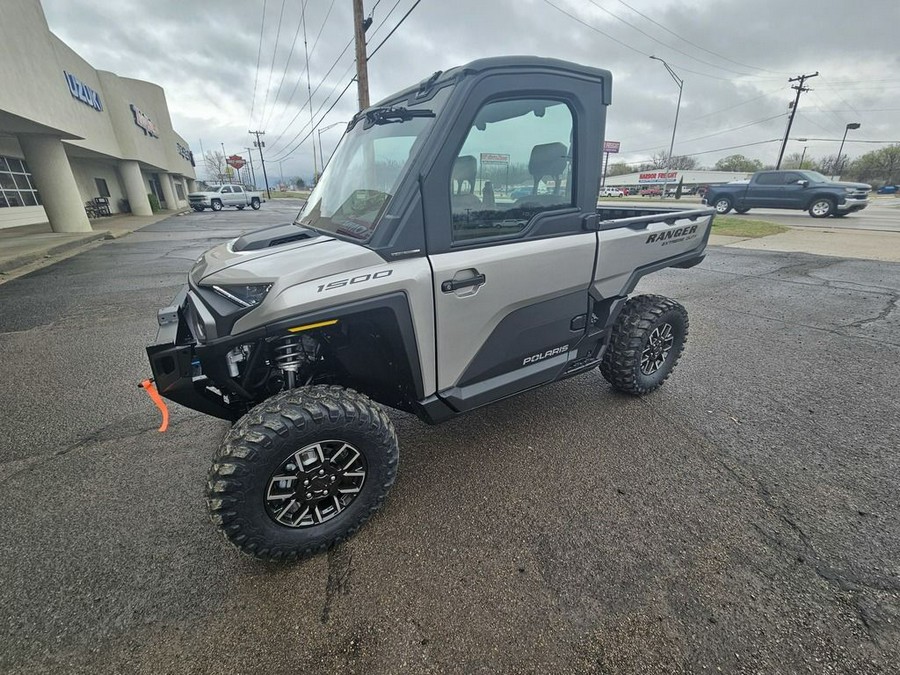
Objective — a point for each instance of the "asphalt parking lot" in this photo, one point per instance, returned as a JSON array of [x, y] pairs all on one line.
[[745, 517]]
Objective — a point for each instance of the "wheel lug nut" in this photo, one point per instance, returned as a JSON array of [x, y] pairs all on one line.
[[306, 482], [321, 471], [309, 495]]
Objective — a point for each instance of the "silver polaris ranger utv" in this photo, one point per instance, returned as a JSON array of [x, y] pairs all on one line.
[[452, 255]]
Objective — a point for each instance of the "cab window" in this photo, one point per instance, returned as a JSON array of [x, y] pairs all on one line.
[[516, 162], [226, 190]]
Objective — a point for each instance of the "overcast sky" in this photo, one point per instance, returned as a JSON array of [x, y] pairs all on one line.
[[734, 56]]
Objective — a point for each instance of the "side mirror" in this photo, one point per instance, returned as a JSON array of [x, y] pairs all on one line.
[[803, 182]]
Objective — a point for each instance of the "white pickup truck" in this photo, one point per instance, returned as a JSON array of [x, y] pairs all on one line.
[[221, 196]]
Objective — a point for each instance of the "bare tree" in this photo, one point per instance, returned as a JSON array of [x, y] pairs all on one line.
[[216, 167]]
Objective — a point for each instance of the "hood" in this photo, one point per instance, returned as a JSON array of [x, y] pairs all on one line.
[[284, 256], [253, 246], [858, 186]]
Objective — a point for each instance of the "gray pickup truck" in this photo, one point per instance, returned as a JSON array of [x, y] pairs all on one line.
[[408, 282], [218, 197], [800, 190]]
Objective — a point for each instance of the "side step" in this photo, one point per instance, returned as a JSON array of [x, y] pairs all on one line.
[[582, 365]]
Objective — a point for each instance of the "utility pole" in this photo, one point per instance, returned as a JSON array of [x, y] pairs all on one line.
[[800, 79], [262, 160], [360, 24], [250, 162]]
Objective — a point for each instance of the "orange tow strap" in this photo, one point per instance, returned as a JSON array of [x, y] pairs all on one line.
[[157, 399]]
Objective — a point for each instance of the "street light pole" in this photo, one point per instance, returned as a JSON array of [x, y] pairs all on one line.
[[837, 163], [321, 153], [680, 84]]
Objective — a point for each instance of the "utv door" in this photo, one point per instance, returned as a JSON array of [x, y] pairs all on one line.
[[511, 275]]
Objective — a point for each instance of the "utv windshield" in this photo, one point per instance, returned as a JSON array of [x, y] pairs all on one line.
[[366, 169]]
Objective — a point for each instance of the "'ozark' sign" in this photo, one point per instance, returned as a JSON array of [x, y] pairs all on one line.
[[82, 92]]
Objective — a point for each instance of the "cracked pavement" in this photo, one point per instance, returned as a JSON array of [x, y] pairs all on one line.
[[744, 517]]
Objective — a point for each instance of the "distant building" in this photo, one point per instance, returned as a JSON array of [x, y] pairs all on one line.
[[691, 179], [70, 134]]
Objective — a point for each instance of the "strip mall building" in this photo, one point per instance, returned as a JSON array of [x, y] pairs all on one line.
[[70, 134]]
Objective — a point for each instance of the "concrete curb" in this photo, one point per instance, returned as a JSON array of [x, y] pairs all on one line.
[[10, 265]]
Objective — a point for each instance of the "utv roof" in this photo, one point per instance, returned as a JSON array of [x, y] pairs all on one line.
[[509, 64]]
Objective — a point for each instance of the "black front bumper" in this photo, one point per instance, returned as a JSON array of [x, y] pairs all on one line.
[[178, 364]]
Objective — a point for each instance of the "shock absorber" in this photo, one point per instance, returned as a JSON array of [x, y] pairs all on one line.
[[292, 353]]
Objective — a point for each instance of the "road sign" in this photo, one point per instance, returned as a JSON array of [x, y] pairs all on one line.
[[236, 161], [611, 146], [495, 157]]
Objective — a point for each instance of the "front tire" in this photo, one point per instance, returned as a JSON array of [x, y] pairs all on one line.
[[646, 342], [821, 207], [216, 205], [254, 205], [741, 211], [723, 205], [198, 209], [240, 207], [302, 472]]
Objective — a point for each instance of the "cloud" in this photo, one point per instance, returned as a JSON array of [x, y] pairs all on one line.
[[735, 58]]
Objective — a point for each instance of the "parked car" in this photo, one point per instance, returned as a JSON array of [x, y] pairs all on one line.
[[611, 192], [801, 190], [650, 192], [230, 194], [888, 189]]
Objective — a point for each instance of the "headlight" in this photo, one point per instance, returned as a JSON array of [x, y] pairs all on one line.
[[244, 295]]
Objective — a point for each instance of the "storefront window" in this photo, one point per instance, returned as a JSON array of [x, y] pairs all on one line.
[[16, 185]]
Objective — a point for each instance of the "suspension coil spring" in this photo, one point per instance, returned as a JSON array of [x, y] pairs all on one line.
[[290, 354]]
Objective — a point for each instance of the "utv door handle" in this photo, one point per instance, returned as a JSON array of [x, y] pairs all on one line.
[[455, 284]]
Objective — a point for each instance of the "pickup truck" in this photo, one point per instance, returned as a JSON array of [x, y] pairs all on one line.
[[221, 196], [402, 286], [800, 190]]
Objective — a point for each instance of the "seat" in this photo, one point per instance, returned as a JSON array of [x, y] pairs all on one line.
[[547, 159], [465, 169], [462, 180]]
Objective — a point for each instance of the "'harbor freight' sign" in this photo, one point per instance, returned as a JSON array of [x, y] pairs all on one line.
[[658, 177], [82, 92]]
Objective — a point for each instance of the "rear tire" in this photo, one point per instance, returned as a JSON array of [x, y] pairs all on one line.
[[255, 496], [741, 211], [723, 205], [216, 205], [821, 207], [254, 204], [646, 342], [240, 207]]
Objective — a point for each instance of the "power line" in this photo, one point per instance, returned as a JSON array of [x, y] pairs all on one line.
[[694, 44], [315, 90], [311, 131], [718, 133], [323, 80], [262, 25], [384, 20], [286, 65], [274, 54], [399, 23], [322, 105], [639, 51], [313, 51], [707, 152], [664, 44]]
